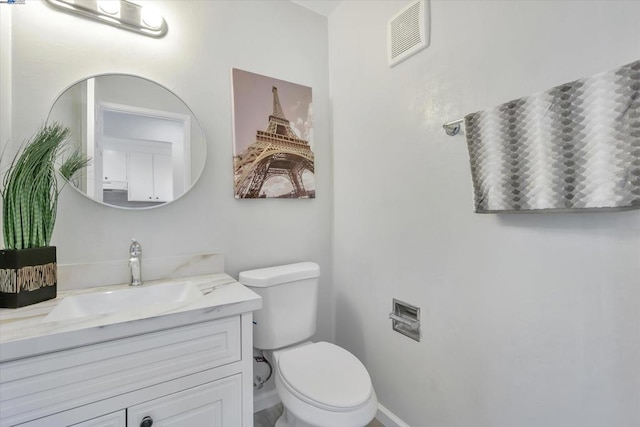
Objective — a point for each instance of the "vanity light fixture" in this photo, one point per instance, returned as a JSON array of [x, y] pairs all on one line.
[[119, 13]]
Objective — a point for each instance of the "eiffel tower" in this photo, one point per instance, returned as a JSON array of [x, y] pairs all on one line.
[[278, 151]]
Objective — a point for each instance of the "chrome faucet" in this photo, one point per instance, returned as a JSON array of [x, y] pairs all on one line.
[[135, 262]]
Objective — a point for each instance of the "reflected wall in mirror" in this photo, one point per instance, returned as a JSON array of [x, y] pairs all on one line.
[[146, 146]]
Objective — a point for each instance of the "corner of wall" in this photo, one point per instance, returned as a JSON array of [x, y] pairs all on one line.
[[5, 89], [5, 79]]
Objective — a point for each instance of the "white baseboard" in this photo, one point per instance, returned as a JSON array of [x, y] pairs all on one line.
[[388, 418], [265, 400]]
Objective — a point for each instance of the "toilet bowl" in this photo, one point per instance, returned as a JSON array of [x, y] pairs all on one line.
[[320, 384], [323, 385]]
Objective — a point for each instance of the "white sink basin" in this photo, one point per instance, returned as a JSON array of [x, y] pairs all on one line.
[[124, 300]]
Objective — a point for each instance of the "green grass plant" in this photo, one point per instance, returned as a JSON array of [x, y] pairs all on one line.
[[30, 189]]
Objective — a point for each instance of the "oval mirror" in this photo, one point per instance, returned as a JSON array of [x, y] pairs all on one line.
[[145, 146]]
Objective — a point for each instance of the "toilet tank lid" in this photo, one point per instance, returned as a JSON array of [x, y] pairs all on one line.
[[264, 277]]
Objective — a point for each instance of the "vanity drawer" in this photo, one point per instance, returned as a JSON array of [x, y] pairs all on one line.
[[42, 385]]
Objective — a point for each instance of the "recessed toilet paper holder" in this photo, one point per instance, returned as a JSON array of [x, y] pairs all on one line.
[[405, 318]]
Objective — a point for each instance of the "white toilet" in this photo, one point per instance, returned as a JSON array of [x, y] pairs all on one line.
[[320, 384]]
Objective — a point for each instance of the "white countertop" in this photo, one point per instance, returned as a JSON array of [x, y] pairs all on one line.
[[23, 332]]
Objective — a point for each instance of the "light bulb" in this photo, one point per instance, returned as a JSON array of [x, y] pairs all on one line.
[[110, 7], [151, 18]]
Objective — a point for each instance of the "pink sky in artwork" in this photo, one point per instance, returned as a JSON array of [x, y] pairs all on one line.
[[253, 103]]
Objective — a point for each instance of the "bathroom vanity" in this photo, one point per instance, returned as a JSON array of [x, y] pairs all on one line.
[[167, 356]]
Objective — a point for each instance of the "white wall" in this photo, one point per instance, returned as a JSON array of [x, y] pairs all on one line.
[[528, 319], [51, 50]]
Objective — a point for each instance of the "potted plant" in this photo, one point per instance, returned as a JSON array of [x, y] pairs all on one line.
[[28, 271]]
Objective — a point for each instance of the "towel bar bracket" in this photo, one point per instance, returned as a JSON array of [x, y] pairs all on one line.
[[453, 128]]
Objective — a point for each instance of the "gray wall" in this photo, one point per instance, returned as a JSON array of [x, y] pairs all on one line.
[[51, 50], [528, 320]]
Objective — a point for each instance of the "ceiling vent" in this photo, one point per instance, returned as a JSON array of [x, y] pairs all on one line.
[[408, 32]]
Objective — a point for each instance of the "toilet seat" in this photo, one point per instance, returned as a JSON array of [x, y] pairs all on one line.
[[325, 376]]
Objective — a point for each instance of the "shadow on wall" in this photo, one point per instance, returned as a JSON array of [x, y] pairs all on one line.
[[574, 221], [346, 315]]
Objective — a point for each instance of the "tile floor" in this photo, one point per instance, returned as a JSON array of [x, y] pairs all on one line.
[[268, 417]]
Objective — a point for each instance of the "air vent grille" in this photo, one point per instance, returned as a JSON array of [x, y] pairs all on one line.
[[407, 32]]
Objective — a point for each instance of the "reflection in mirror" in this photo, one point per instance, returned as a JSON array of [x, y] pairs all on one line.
[[146, 146]]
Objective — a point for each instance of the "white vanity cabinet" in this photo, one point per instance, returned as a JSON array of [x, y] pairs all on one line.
[[198, 374], [214, 404]]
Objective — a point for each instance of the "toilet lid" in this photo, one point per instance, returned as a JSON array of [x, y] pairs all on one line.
[[325, 374]]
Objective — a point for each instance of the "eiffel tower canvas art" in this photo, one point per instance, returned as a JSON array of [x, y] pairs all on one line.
[[273, 138]]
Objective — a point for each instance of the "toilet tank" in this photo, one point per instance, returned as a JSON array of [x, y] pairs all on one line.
[[289, 303]]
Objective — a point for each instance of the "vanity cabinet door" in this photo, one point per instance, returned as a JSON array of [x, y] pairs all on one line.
[[115, 419], [215, 404]]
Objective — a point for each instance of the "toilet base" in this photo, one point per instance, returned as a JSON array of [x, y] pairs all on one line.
[[287, 419]]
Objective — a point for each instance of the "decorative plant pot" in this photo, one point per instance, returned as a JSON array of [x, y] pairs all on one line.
[[27, 276]]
